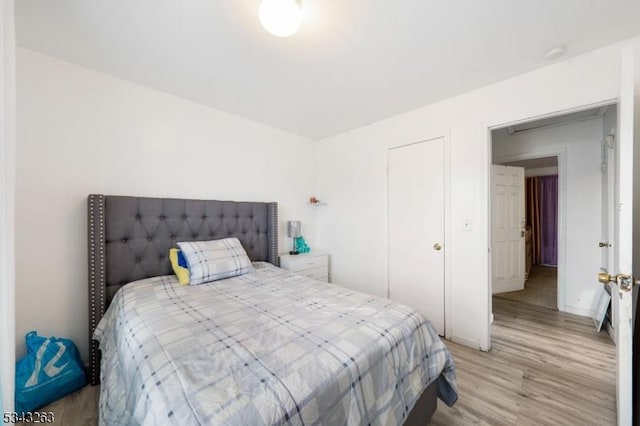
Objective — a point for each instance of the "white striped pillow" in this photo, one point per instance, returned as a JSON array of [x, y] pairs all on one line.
[[214, 260]]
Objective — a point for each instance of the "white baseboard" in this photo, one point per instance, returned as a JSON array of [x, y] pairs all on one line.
[[466, 341], [583, 312]]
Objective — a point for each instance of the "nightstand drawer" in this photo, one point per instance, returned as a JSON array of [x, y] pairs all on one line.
[[302, 263], [320, 274]]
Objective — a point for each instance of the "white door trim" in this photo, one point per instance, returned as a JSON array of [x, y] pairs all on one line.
[[448, 299], [486, 128], [561, 155], [7, 205]]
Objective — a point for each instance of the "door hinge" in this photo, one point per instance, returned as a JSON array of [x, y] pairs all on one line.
[[610, 141]]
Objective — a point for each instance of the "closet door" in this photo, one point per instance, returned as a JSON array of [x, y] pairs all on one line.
[[416, 228]]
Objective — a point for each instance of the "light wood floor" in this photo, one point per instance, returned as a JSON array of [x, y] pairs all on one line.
[[76, 409], [540, 289], [545, 368]]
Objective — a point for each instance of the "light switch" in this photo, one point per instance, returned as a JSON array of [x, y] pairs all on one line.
[[466, 224]]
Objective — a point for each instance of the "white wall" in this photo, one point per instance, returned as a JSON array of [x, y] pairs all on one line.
[[541, 171], [81, 132], [68, 115], [351, 176], [580, 142]]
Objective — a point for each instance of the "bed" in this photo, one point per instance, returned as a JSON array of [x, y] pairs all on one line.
[[266, 347]]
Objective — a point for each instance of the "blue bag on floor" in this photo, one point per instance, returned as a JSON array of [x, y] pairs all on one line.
[[51, 369]]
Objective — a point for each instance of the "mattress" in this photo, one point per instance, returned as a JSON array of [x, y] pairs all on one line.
[[269, 347]]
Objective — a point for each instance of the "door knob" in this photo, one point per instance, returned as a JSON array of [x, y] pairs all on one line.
[[437, 246], [624, 281], [605, 278], [602, 244]]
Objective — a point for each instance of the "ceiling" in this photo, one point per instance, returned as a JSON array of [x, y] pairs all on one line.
[[352, 63]]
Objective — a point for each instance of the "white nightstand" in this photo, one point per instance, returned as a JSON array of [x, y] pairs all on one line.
[[314, 264]]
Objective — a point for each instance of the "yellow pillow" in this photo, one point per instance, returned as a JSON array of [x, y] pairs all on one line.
[[179, 265]]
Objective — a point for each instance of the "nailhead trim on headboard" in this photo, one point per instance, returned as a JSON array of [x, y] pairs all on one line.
[[274, 259], [97, 283], [98, 218]]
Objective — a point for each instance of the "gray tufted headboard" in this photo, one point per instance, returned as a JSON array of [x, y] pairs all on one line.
[[130, 238]]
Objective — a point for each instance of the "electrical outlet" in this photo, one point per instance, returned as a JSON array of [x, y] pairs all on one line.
[[466, 224]]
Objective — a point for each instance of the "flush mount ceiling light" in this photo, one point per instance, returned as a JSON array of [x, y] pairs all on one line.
[[281, 18]]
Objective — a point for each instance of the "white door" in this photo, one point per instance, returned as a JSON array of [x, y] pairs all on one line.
[[416, 228], [608, 221], [507, 228], [608, 201], [621, 281]]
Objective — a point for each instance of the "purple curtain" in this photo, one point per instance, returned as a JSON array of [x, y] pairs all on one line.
[[548, 198]]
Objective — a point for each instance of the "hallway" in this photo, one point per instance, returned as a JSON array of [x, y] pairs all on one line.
[[540, 289]]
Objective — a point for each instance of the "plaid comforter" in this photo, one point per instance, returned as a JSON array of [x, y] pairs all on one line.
[[268, 347]]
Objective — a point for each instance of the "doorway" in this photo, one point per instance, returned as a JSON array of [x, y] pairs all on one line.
[[541, 200], [563, 162]]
